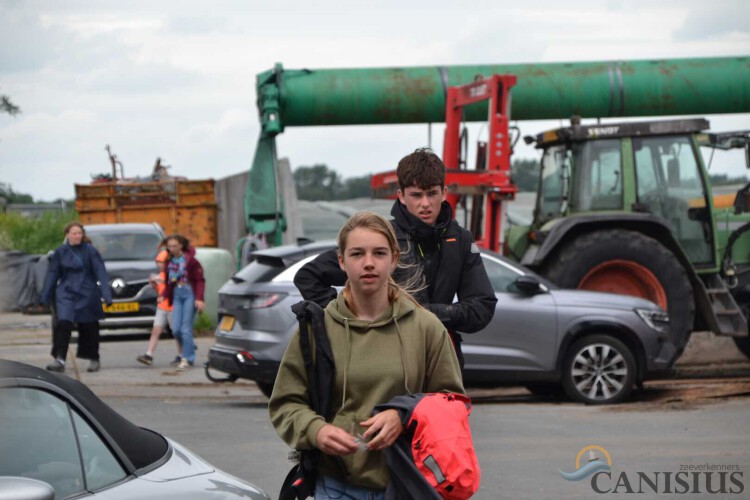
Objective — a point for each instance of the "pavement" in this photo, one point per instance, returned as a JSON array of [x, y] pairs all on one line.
[[26, 338]]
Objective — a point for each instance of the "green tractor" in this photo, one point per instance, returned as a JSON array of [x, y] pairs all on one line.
[[628, 208]]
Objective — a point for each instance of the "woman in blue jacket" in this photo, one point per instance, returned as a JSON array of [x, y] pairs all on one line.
[[76, 273]]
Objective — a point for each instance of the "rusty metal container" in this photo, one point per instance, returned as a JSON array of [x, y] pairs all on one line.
[[179, 206]]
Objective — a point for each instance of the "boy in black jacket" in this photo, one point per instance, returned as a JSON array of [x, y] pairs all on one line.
[[435, 248]]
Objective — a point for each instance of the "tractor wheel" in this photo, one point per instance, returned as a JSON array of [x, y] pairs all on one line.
[[629, 263], [743, 343]]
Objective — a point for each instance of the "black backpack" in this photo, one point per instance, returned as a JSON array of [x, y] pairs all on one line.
[[300, 482]]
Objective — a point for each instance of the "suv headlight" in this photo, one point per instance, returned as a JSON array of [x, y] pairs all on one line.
[[656, 319]]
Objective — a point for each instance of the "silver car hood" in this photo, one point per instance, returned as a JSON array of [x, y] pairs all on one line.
[[583, 298]]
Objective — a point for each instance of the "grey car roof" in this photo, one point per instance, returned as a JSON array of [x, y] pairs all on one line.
[[142, 447]]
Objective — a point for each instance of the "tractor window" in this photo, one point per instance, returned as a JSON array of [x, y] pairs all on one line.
[[647, 178], [597, 183], [553, 189], [668, 184]]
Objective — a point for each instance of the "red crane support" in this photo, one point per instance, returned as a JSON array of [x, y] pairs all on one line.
[[489, 184]]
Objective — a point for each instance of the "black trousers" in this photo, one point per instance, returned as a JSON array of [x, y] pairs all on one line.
[[88, 339]]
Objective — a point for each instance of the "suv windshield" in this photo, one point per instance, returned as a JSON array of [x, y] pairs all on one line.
[[126, 245]]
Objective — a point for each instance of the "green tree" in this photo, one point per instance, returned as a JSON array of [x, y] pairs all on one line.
[[6, 191], [356, 187], [317, 183], [7, 106], [724, 180], [525, 173]]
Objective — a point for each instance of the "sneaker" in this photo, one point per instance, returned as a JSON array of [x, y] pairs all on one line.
[[56, 366], [145, 359], [94, 366], [175, 361], [184, 364]]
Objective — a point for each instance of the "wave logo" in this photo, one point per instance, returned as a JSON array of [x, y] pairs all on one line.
[[596, 459]]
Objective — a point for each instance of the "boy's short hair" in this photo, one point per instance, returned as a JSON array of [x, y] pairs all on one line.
[[422, 168]]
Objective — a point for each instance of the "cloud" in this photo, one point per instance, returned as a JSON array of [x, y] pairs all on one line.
[[182, 24], [26, 44], [232, 122], [715, 20]]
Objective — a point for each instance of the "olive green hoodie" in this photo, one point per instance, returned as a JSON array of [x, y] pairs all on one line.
[[405, 351]]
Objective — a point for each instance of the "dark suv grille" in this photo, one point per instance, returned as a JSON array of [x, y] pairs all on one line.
[[130, 290]]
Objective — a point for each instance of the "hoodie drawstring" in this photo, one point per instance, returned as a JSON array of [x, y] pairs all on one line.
[[347, 334], [403, 359]]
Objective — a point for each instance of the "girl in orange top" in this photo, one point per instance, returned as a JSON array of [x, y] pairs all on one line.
[[163, 315]]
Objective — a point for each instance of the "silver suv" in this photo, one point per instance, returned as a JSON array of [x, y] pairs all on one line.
[[593, 346]]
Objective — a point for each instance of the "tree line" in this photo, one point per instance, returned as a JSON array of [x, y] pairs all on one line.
[[320, 183]]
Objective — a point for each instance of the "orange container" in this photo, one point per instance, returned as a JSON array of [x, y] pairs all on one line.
[[185, 207]]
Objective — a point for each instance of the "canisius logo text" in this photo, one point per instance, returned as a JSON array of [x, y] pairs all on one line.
[[594, 463]]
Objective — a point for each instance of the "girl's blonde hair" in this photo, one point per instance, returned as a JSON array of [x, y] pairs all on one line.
[[378, 224]]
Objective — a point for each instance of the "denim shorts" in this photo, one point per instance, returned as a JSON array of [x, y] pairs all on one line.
[[162, 318]]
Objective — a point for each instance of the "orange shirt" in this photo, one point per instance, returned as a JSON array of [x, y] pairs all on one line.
[[160, 286]]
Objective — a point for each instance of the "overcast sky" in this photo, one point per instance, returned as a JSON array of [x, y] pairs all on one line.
[[176, 79]]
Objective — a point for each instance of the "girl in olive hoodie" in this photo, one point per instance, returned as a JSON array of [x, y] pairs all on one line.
[[384, 345]]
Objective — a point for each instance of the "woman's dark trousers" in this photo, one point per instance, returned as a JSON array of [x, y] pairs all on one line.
[[88, 339]]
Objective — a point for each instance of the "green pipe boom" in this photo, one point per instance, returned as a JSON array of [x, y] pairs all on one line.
[[357, 96]]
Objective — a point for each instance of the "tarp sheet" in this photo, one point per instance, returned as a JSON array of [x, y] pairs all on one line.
[[22, 276]]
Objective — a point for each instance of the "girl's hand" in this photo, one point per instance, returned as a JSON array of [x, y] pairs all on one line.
[[384, 428], [333, 440], [199, 305]]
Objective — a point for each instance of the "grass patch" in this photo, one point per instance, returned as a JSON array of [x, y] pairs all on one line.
[[203, 326]]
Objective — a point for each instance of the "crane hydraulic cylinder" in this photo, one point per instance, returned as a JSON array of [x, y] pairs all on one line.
[[358, 96]]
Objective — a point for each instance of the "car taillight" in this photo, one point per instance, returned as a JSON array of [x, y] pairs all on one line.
[[244, 357], [261, 300]]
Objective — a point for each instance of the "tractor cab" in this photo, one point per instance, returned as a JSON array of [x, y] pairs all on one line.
[[652, 168]]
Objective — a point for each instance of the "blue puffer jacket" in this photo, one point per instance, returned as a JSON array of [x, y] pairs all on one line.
[[80, 280]]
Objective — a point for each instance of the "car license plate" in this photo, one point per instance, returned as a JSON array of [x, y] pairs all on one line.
[[122, 307], [227, 323]]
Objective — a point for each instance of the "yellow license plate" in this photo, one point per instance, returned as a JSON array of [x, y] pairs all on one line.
[[122, 307], [227, 323]]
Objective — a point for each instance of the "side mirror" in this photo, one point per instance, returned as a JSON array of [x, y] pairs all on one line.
[[528, 285], [23, 488]]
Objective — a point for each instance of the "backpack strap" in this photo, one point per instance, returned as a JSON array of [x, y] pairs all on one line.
[[321, 375], [304, 342], [320, 367]]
